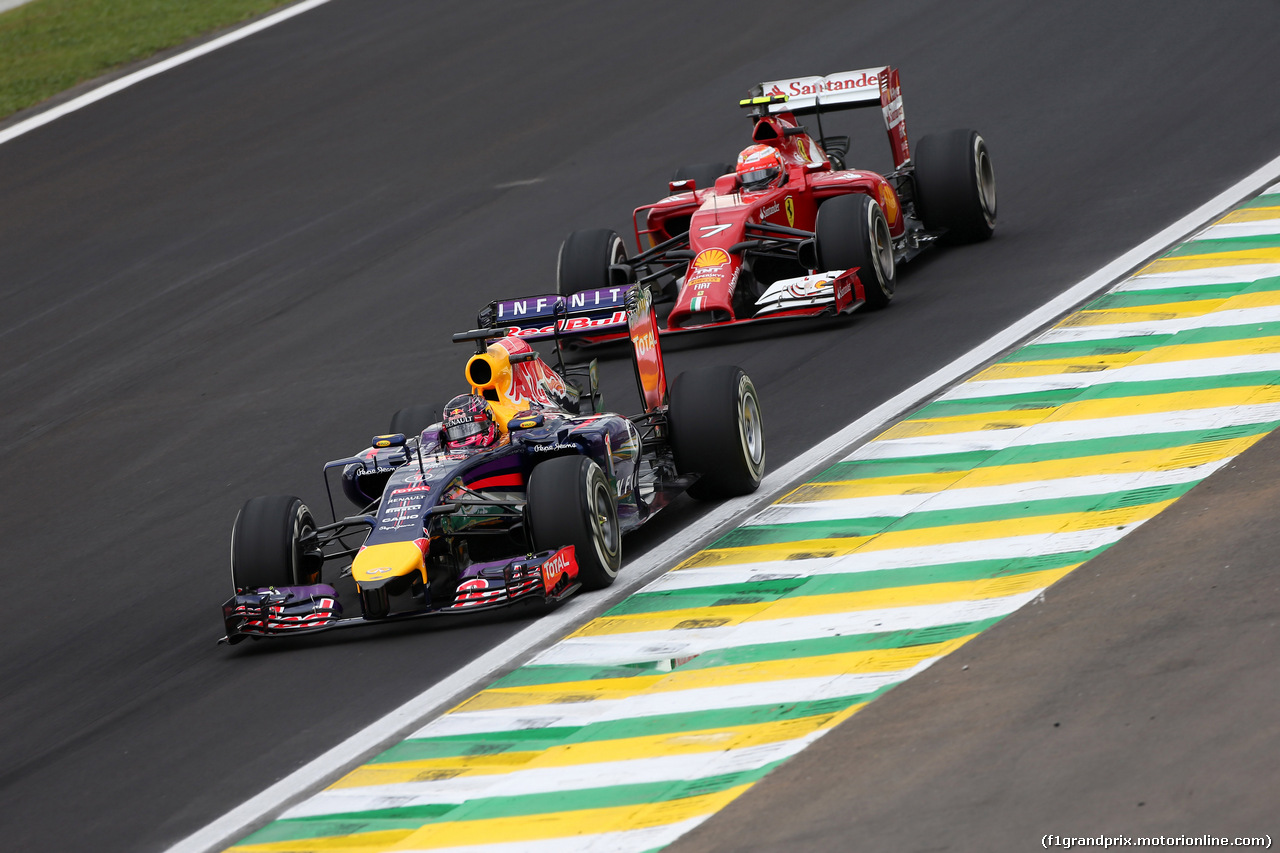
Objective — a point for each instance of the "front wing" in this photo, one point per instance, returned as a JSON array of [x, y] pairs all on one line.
[[291, 610], [822, 294]]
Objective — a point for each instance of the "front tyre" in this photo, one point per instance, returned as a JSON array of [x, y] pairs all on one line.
[[956, 185], [585, 258], [717, 430], [273, 544], [571, 503], [851, 231]]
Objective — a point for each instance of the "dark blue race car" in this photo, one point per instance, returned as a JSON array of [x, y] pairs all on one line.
[[520, 492]]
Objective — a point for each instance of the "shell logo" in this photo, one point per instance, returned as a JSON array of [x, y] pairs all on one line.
[[711, 258], [889, 202]]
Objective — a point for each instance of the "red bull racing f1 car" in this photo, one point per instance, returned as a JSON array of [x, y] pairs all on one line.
[[521, 492], [791, 232]]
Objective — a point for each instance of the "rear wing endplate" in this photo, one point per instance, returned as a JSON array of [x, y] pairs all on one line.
[[847, 90]]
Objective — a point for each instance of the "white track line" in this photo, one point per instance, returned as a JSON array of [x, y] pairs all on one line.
[[435, 699], [119, 84]]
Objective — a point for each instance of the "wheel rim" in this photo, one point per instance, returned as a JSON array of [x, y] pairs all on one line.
[[605, 528], [302, 523], [883, 249], [750, 425], [986, 180], [617, 251]]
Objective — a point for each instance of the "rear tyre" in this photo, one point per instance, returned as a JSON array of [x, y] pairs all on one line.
[[412, 420], [571, 503], [585, 258], [956, 185], [717, 430], [703, 174], [852, 232], [267, 544]]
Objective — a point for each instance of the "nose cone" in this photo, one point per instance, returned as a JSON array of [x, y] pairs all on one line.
[[388, 560], [707, 294]]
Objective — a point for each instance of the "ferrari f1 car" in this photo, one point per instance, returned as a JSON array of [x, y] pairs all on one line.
[[791, 232], [521, 493]]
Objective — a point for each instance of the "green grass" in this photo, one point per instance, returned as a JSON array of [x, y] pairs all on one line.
[[48, 46]]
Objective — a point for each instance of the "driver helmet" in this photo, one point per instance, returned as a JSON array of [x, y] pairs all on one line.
[[469, 423], [760, 167]]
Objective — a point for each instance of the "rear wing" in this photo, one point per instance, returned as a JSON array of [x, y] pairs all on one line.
[[847, 90], [606, 311], [539, 318]]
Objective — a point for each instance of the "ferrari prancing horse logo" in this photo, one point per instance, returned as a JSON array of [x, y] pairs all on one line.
[[790, 207]]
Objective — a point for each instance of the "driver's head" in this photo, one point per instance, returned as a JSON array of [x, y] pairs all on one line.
[[468, 423], [759, 167]]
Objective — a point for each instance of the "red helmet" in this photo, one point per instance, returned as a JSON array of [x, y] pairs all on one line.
[[468, 423], [760, 167]]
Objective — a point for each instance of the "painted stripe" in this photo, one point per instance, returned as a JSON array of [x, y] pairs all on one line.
[[964, 496], [122, 83]]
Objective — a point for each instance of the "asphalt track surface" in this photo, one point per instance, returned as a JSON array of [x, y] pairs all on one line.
[[218, 279]]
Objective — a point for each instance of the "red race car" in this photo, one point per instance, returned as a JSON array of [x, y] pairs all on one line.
[[790, 231]]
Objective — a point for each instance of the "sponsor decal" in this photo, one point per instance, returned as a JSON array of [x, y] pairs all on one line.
[[645, 343], [790, 205], [555, 566], [643, 329], [545, 306], [702, 282], [843, 293], [574, 324], [848, 81], [548, 448], [853, 80], [711, 257], [370, 472], [770, 210], [409, 490]]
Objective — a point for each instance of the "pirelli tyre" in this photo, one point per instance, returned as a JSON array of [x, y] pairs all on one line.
[[703, 174], [851, 231], [273, 544], [955, 185], [717, 431], [585, 258], [570, 502]]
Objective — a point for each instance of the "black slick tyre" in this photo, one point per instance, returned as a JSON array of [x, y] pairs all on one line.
[[572, 503], [851, 231], [703, 174], [585, 258], [717, 431], [412, 420], [268, 546], [956, 185]]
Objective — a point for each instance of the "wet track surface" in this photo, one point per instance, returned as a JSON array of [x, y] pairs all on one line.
[[219, 279]]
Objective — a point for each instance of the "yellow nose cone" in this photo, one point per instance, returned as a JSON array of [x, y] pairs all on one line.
[[388, 560]]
